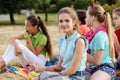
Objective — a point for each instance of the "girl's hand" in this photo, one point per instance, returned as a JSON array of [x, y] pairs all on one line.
[[27, 38], [12, 41], [18, 51], [39, 67]]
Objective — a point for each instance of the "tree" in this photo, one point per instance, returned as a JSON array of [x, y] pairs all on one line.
[[11, 6], [63, 3], [117, 3], [109, 2], [81, 4], [45, 4], [53, 2]]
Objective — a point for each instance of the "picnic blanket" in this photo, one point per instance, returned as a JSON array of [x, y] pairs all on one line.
[[22, 71], [18, 70]]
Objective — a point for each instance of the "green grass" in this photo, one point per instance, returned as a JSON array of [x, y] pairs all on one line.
[[52, 19]]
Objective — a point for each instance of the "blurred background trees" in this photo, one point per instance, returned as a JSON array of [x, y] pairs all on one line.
[[12, 7]]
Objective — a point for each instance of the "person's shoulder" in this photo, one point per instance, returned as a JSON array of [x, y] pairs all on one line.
[[60, 41], [62, 38], [41, 34], [117, 31], [100, 35]]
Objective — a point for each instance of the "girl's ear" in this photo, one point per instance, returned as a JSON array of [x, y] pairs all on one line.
[[94, 18], [74, 23], [36, 26], [79, 22]]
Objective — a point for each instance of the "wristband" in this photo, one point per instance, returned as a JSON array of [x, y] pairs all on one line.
[[50, 69]]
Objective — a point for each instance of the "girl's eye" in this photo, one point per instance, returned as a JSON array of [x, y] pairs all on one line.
[[115, 18], [67, 20], [60, 21]]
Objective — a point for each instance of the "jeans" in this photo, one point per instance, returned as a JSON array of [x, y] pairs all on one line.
[[79, 75]]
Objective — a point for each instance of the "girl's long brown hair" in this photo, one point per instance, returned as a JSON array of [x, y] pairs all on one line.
[[38, 21]]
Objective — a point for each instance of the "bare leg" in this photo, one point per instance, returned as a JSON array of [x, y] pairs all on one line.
[[100, 75]]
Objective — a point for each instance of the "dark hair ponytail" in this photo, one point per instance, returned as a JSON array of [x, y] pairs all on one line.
[[45, 31]]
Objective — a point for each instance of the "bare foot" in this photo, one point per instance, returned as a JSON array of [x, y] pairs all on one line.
[[39, 67], [2, 64], [29, 67]]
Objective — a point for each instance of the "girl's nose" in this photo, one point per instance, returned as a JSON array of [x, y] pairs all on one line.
[[63, 23], [26, 28]]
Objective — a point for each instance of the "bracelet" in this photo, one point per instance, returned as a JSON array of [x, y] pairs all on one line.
[[50, 69]]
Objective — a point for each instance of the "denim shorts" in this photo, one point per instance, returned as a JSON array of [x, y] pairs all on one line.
[[79, 75], [109, 68], [77, 78]]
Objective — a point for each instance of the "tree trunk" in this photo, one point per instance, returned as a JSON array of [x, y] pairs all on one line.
[[46, 15], [11, 14]]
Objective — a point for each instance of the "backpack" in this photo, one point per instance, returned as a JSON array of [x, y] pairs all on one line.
[[50, 75]]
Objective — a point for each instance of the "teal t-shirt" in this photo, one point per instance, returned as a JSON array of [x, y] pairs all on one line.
[[67, 47], [38, 39], [100, 41]]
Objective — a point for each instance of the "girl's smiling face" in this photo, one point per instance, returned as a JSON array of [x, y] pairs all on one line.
[[116, 20], [66, 23], [29, 27]]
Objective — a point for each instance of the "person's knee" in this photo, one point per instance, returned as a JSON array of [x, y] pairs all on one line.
[[100, 75]]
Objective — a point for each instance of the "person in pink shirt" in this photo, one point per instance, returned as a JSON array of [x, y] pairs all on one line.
[[81, 16]]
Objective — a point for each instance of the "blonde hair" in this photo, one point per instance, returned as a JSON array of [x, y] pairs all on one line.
[[72, 14], [104, 17], [117, 11]]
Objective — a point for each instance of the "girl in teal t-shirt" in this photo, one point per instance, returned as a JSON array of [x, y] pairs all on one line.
[[101, 46]]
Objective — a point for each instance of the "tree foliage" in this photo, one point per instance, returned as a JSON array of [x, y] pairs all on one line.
[[44, 5], [12, 6], [109, 2], [63, 3], [81, 4]]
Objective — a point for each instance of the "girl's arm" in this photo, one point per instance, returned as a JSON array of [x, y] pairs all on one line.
[[12, 39], [117, 46], [12, 42], [58, 66], [79, 50], [99, 46], [36, 50], [40, 68], [96, 58], [29, 43]]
